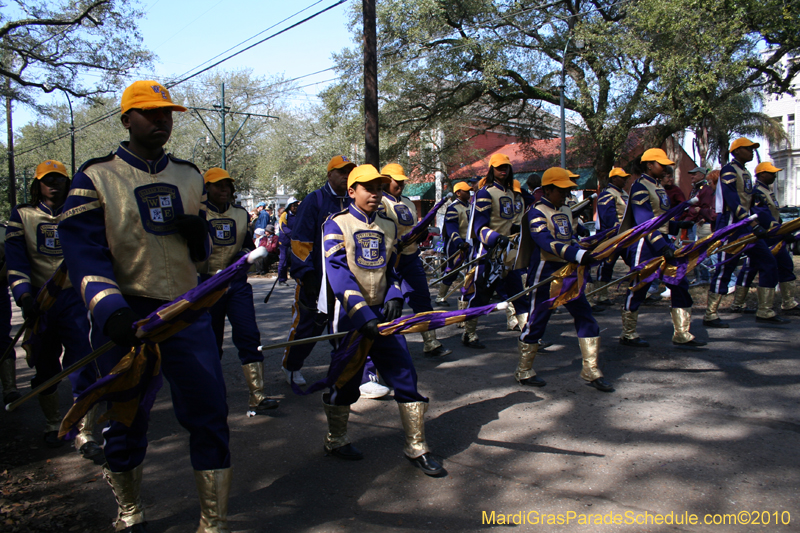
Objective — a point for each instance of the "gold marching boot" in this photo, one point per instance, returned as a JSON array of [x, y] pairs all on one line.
[[8, 377], [254, 376], [213, 486], [441, 297], [629, 337], [431, 347], [511, 318], [461, 306], [412, 415], [711, 318], [85, 442], [127, 491], [766, 297], [602, 296], [522, 319], [337, 443], [52, 419], [525, 374], [739, 299], [590, 370], [788, 301], [470, 336], [681, 322]]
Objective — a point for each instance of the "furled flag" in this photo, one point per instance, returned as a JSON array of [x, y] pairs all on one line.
[[134, 382], [351, 351], [420, 229]]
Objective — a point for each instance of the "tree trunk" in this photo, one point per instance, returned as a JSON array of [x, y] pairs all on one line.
[[12, 181]]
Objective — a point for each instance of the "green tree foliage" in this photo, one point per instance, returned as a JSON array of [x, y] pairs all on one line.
[[627, 64]]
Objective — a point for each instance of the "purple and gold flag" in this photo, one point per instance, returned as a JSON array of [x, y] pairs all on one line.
[[134, 382], [351, 352], [420, 229]]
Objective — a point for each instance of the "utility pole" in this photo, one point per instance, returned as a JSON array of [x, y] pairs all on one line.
[[223, 112], [371, 151], [12, 182]]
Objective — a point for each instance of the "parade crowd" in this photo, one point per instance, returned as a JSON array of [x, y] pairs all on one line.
[[138, 228]]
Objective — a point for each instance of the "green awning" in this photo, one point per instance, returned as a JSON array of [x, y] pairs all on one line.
[[420, 191]]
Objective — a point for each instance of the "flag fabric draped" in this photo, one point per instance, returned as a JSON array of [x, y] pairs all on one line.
[[134, 382], [351, 352], [420, 229], [45, 298]]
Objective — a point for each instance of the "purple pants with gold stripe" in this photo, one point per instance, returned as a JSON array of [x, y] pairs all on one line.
[[284, 261]]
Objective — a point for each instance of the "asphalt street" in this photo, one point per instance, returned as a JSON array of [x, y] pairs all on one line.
[[691, 432]]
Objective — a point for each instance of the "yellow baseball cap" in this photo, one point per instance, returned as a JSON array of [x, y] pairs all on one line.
[[766, 166], [560, 177], [743, 142], [658, 155], [462, 186], [394, 171], [365, 173], [617, 171], [147, 94], [498, 160], [517, 186], [339, 161], [215, 174], [49, 166]]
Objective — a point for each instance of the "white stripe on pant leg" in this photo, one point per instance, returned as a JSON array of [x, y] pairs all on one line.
[[720, 272]]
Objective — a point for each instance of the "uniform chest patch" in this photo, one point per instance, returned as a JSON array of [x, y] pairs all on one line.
[[158, 203], [518, 206], [562, 227], [663, 199], [370, 249], [506, 207], [47, 241], [224, 231], [404, 216], [747, 181]]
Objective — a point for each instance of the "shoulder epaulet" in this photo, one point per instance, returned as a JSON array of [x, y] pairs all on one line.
[[239, 206], [96, 160], [184, 162], [334, 215], [383, 214], [24, 205]]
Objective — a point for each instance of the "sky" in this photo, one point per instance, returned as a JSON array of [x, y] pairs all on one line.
[[184, 34]]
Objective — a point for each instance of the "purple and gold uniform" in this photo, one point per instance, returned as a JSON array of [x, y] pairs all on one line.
[[8, 368], [734, 199], [359, 252], [33, 253], [307, 261], [611, 205], [285, 224], [123, 251], [555, 245]]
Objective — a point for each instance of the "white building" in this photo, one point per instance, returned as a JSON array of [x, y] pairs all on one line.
[[786, 109]]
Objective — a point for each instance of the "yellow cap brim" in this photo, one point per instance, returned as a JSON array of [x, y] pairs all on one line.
[[154, 105], [367, 179], [564, 183], [397, 177], [215, 179]]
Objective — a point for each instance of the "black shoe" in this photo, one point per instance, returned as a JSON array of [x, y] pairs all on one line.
[[91, 450], [773, 320], [282, 282], [597, 308], [473, 344], [267, 404], [136, 528], [441, 351], [428, 464], [693, 342], [534, 381], [716, 323], [794, 311], [742, 310], [638, 342], [605, 303], [11, 397], [348, 451], [443, 303], [602, 385], [51, 440], [544, 344]]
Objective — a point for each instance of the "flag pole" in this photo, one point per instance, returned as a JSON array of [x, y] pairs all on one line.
[[11, 346], [61, 375]]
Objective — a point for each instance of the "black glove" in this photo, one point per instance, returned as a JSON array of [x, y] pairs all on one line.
[[195, 230], [26, 303], [759, 231], [789, 238], [311, 286], [581, 230], [464, 246], [393, 309], [685, 224], [370, 329], [119, 327], [586, 259], [502, 242], [668, 253]]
